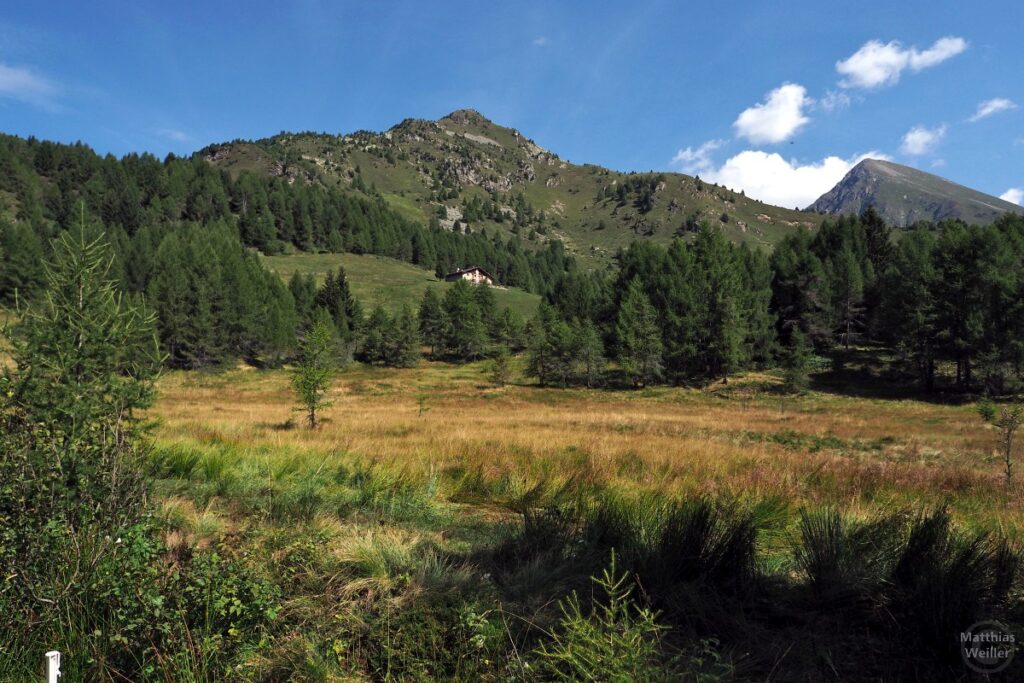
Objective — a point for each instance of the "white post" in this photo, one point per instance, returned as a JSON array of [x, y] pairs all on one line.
[[52, 666]]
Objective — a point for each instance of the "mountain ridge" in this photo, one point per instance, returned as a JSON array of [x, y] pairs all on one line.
[[464, 170], [903, 196]]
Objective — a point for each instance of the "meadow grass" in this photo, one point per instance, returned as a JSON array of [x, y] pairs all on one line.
[[390, 283], [436, 527], [493, 445]]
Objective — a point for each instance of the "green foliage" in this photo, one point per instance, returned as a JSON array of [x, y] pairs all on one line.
[[315, 370], [796, 364], [500, 371], [618, 642], [214, 301], [639, 338], [1007, 420], [391, 341], [82, 566], [21, 262], [932, 580], [563, 353], [85, 362], [465, 322], [433, 324]]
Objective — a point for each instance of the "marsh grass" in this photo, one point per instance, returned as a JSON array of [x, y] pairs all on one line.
[[447, 544]]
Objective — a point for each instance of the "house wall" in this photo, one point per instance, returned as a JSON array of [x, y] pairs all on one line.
[[476, 277]]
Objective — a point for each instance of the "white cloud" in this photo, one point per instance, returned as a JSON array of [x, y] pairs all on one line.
[[20, 83], [877, 64], [990, 107], [776, 119], [834, 101], [939, 163], [920, 140], [1015, 195], [540, 41], [773, 179], [173, 134], [698, 160]]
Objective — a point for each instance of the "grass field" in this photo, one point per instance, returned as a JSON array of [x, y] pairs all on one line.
[[433, 526], [376, 280], [740, 440]]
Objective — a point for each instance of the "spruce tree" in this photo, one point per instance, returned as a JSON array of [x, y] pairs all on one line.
[[511, 330]]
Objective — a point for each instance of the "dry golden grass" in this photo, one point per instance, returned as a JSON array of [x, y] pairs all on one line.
[[742, 440]]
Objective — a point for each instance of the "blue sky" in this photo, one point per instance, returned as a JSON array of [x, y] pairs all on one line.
[[778, 99]]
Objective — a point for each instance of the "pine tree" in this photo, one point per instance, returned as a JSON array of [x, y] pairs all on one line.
[[638, 335], [71, 454], [315, 370]]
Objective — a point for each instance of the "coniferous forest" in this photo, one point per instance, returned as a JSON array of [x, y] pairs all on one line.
[[684, 464], [185, 237]]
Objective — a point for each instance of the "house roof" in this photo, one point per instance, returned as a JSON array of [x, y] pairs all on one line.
[[463, 271]]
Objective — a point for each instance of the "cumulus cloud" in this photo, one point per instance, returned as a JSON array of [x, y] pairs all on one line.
[[697, 160], [21, 83], [775, 180], [1015, 195], [990, 107], [920, 140], [776, 119], [877, 64]]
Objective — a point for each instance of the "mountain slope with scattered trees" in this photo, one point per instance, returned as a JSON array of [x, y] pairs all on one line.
[[466, 173]]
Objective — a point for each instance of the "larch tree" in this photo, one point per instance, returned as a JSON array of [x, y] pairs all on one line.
[[315, 370], [638, 335]]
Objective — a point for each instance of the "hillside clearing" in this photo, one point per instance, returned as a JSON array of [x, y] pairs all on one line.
[[377, 280]]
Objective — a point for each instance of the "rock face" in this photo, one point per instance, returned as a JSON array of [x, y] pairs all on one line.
[[904, 196]]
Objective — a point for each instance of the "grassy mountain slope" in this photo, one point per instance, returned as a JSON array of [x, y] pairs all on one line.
[[438, 169], [904, 196], [377, 280]]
